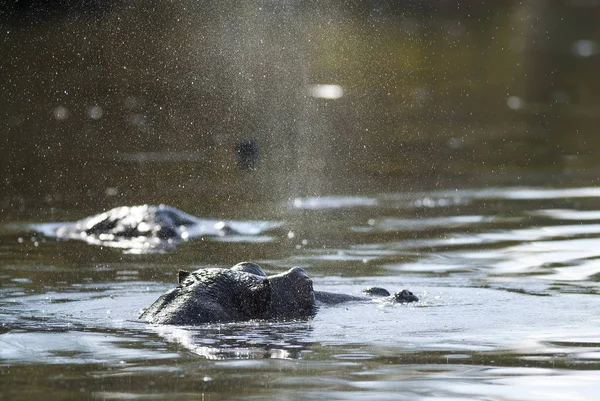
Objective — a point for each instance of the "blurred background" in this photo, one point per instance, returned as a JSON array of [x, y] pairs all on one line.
[[203, 104]]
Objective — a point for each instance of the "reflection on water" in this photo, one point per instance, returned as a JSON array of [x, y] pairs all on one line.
[[326, 202], [74, 347], [242, 341]]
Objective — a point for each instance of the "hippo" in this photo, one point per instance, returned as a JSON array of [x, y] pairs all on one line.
[[149, 226], [245, 292], [163, 222]]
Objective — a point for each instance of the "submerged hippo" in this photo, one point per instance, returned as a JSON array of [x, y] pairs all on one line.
[[245, 292], [148, 226], [161, 221]]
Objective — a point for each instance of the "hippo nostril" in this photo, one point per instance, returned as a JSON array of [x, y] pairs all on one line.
[[405, 296]]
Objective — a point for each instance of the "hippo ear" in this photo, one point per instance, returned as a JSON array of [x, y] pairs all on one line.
[[182, 275]]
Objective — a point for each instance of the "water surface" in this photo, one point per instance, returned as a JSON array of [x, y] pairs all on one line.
[[508, 309]]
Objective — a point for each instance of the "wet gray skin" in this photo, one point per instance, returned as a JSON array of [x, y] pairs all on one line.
[[161, 222], [212, 295], [245, 292]]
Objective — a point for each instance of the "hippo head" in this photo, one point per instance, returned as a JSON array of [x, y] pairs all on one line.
[[243, 292], [292, 295], [212, 295]]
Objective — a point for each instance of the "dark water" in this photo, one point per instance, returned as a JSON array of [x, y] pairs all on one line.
[[454, 154]]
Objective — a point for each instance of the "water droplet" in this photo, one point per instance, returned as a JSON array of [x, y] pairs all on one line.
[[585, 48], [514, 102], [95, 112], [60, 113]]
